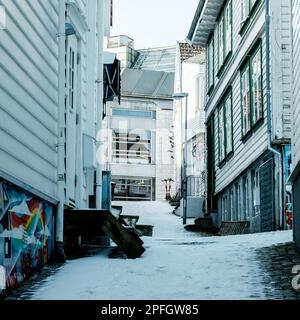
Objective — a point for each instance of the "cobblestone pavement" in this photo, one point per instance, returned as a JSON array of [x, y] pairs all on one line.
[[277, 263]]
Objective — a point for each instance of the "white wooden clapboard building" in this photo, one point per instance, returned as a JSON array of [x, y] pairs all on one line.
[[50, 106], [248, 107], [295, 177]]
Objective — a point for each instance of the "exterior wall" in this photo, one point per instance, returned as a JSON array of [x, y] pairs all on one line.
[[29, 95], [164, 162], [26, 233], [189, 78], [29, 126], [161, 166], [281, 69], [247, 151], [296, 119], [296, 81]]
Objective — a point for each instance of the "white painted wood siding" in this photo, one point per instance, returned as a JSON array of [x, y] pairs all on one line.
[[281, 68], [245, 153], [29, 93], [296, 81]]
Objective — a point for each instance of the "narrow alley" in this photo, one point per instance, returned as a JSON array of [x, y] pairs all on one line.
[[177, 265]]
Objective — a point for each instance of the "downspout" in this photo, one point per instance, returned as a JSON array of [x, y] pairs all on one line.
[[99, 108], [269, 115], [60, 255]]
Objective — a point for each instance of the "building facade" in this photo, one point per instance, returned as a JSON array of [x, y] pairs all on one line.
[[248, 108], [48, 119], [295, 177], [139, 133], [190, 78]]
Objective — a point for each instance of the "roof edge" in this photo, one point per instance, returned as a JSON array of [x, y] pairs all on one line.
[[195, 20]]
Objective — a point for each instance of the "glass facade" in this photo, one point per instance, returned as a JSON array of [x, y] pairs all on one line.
[[133, 189]]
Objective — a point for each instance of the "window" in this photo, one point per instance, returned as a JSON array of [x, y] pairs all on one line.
[[251, 91], [225, 128], [224, 34], [228, 28], [210, 64], [131, 147], [246, 197], [247, 7], [256, 68], [221, 134], [133, 189], [133, 113], [246, 104], [256, 192], [221, 42]]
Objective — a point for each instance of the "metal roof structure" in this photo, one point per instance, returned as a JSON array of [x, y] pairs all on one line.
[[204, 21], [147, 83], [157, 59]]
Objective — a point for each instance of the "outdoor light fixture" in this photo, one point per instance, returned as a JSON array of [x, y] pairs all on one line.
[[179, 96]]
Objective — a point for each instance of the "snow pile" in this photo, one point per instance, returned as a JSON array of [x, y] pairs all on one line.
[[176, 265]]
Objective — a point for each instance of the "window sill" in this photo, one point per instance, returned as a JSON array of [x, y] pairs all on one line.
[[225, 160], [210, 90], [254, 128], [221, 70], [246, 23], [244, 26]]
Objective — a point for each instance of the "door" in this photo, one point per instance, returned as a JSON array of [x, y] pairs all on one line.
[[71, 107], [266, 176], [211, 204]]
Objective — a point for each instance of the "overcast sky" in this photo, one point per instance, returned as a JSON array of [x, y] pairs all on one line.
[[153, 23]]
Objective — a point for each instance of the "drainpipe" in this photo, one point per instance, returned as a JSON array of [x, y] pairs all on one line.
[[268, 79], [61, 133], [99, 104]]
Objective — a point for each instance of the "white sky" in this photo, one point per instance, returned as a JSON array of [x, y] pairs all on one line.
[[153, 23]]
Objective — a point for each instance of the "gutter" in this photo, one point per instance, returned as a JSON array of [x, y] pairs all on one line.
[[195, 21], [268, 79], [61, 131], [99, 104]]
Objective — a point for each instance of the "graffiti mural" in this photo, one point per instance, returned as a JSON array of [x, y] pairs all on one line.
[[26, 233]]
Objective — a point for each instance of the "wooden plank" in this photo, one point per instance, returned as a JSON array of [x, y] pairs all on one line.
[[93, 222]]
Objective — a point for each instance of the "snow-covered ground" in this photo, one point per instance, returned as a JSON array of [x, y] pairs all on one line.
[[176, 265]]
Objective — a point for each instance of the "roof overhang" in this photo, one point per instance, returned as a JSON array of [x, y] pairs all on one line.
[[204, 21]]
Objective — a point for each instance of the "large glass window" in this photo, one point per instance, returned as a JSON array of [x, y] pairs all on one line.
[[251, 91], [131, 147], [225, 131], [133, 189], [133, 113]]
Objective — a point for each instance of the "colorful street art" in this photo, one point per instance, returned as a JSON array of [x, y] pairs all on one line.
[[26, 233]]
